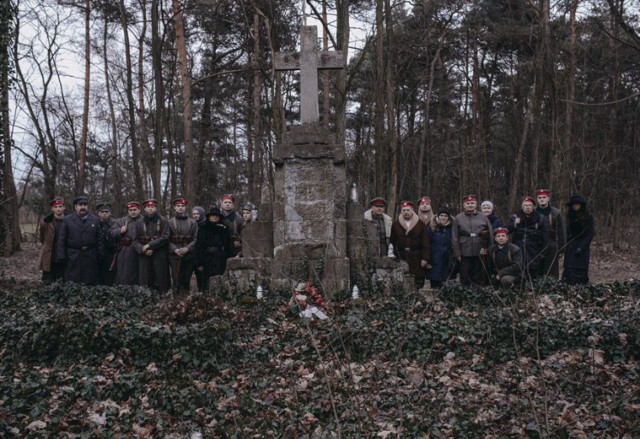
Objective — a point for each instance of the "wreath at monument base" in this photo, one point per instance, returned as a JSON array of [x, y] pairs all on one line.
[[306, 301]]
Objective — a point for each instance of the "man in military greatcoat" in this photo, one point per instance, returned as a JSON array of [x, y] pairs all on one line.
[[530, 232], [151, 243], [125, 261], [49, 229], [182, 243], [557, 238], [80, 244], [110, 244], [233, 221]]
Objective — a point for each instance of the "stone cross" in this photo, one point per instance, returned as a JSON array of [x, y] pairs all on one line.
[[309, 60]]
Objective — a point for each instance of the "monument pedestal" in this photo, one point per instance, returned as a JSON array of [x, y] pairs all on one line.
[[309, 214]]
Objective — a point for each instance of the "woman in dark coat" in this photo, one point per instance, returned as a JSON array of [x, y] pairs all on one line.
[[489, 211], [440, 260], [213, 246], [580, 232], [198, 214]]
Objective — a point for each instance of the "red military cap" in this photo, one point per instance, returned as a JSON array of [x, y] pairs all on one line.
[[406, 204], [425, 198], [469, 198], [133, 204], [546, 192], [56, 201], [228, 197], [499, 230], [379, 202], [180, 200], [528, 199], [150, 202]]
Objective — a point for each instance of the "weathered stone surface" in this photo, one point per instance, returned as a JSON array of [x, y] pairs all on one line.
[[244, 275], [309, 134], [257, 239]]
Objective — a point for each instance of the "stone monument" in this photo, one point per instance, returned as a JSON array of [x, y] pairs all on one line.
[[303, 234]]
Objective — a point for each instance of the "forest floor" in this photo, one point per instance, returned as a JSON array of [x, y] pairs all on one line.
[[607, 265]]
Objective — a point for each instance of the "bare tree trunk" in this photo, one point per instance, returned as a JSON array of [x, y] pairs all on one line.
[[392, 134], [255, 141], [424, 135], [131, 106], [82, 162], [189, 175], [519, 158], [381, 148], [117, 176], [9, 223], [342, 33], [143, 128], [160, 112]]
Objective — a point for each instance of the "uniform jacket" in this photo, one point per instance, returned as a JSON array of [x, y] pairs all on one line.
[[531, 235], [555, 223], [184, 232], [156, 231], [110, 244], [470, 233], [411, 243], [80, 244], [234, 223], [506, 261], [47, 236]]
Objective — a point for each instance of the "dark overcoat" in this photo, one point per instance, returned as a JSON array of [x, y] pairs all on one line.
[[441, 257], [153, 271], [577, 254], [531, 234], [184, 231], [126, 266], [110, 247], [79, 246], [213, 247], [411, 243]]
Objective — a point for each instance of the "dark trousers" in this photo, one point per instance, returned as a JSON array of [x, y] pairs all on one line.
[[154, 271], [472, 271], [107, 277], [181, 271], [56, 272], [550, 265], [203, 280]]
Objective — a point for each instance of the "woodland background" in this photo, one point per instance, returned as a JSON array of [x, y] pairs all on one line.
[[134, 98]]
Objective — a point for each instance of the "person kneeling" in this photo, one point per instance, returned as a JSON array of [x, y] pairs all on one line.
[[506, 260]]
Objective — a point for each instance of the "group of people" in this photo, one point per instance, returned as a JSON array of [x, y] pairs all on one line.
[[476, 245], [142, 248], [145, 248]]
